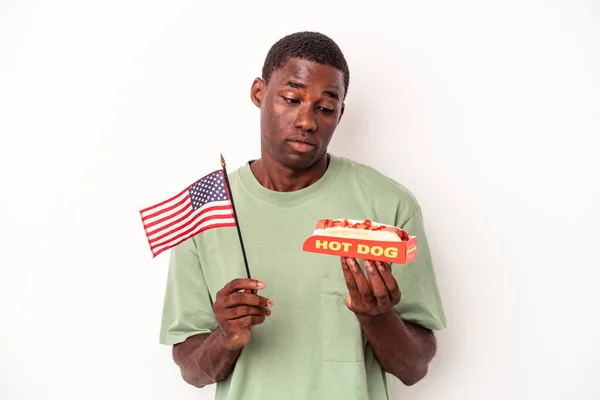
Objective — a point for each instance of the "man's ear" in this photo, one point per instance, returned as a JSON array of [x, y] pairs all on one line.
[[257, 91]]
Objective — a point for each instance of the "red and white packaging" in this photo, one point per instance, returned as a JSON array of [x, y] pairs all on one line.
[[365, 239]]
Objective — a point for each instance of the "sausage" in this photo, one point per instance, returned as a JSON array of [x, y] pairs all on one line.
[[366, 225]]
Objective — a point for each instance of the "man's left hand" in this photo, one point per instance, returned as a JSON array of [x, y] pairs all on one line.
[[375, 294]]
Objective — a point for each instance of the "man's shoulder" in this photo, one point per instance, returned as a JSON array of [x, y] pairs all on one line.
[[371, 179]]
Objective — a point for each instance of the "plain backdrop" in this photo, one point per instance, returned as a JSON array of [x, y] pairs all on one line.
[[488, 111]]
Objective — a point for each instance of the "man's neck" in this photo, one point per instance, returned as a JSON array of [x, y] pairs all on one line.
[[274, 176]]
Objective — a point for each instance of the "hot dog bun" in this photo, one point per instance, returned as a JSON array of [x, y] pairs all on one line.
[[355, 229]]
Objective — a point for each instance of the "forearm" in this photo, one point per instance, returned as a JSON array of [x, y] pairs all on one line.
[[205, 359], [402, 349]]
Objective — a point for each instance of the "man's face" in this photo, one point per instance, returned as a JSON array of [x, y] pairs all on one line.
[[300, 109]]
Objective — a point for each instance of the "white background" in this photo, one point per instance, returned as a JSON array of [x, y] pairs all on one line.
[[488, 111]]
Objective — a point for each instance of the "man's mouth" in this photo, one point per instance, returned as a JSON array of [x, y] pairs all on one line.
[[301, 146]]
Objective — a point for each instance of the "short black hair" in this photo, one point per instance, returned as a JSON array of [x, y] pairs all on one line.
[[311, 46]]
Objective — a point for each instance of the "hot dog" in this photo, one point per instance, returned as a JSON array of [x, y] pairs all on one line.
[[355, 229]]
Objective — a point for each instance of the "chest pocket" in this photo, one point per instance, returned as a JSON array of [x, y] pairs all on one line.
[[342, 334]]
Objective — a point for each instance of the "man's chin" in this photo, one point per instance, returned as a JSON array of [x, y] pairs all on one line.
[[300, 161]]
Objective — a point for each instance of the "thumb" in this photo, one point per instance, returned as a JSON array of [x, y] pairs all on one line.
[[348, 302]]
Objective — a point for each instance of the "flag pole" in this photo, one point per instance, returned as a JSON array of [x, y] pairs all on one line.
[[235, 216]]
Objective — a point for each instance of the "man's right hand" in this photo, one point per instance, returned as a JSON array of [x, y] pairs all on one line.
[[238, 309]]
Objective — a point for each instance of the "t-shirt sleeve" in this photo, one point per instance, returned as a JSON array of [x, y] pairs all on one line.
[[187, 309], [420, 301]]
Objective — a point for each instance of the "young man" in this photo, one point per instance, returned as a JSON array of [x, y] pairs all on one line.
[[309, 326]]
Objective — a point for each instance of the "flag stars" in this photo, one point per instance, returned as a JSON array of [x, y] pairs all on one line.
[[209, 189]]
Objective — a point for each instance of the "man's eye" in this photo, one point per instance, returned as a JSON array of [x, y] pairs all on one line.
[[291, 101], [326, 110]]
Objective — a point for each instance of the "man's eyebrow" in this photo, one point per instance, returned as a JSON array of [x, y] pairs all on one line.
[[331, 94], [297, 85]]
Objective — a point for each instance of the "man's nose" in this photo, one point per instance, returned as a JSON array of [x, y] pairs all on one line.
[[306, 120]]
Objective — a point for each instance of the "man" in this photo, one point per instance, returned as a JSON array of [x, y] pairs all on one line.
[[308, 326]]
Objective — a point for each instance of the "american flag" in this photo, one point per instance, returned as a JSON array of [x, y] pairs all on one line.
[[203, 205]]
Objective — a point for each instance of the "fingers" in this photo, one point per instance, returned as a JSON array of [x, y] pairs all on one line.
[[240, 298], [362, 286], [248, 321], [244, 311], [238, 308], [242, 284], [235, 301], [349, 277], [385, 271], [378, 285], [373, 294]]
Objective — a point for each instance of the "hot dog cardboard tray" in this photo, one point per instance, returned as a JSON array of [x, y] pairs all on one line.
[[396, 252]]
